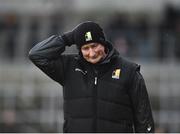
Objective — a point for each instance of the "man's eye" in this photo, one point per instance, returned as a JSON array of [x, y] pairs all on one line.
[[95, 45]]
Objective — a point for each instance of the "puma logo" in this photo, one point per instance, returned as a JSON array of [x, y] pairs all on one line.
[[80, 70]]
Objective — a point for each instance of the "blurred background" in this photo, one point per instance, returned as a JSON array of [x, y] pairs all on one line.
[[147, 32]]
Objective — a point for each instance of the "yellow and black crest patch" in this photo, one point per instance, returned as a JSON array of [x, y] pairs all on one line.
[[88, 36], [116, 73]]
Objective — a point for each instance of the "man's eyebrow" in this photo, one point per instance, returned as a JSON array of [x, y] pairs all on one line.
[[84, 47]]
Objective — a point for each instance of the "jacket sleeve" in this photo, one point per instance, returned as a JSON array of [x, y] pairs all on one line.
[[143, 119], [46, 55]]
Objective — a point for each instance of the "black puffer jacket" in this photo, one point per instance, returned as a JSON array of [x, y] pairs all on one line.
[[107, 97]]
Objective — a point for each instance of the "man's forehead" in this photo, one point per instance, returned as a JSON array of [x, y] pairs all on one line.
[[90, 44]]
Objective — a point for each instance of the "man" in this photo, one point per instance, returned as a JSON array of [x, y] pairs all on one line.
[[102, 91]]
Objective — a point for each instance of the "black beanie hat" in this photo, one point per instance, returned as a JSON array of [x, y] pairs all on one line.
[[88, 32]]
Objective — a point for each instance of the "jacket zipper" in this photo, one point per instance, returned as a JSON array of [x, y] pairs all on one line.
[[95, 80], [95, 104]]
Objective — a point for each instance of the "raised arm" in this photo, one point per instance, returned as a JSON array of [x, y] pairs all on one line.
[[46, 55]]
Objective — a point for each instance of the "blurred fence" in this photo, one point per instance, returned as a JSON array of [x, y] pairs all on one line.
[[163, 83], [32, 102]]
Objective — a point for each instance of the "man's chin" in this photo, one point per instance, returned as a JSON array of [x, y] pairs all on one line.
[[93, 61]]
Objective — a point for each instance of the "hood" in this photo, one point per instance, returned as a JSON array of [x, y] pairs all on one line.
[[112, 53]]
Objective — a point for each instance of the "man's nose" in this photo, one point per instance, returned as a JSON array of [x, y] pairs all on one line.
[[91, 52]]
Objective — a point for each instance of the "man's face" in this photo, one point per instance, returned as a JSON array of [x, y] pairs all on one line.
[[93, 52]]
